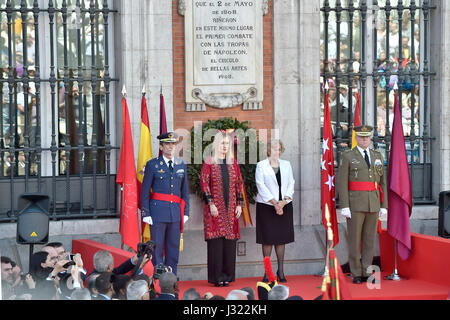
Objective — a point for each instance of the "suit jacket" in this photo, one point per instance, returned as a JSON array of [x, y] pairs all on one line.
[[353, 167], [267, 184], [158, 177], [124, 268]]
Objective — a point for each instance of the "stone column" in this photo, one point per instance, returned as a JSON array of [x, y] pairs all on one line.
[[310, 110], [286, 71], [440, 95], [143, 46]]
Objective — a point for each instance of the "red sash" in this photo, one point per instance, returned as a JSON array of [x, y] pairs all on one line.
[[171, 198], [366, 186]]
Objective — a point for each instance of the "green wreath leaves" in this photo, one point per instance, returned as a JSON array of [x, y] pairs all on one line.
[[248, 167]]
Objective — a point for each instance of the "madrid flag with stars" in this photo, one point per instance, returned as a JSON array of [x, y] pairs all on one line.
[[327, 186]]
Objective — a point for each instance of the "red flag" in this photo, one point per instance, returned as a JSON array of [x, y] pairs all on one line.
[[334, 286], [327, 186], [162, 117], [356, 118], [399, 192], [126, 177]]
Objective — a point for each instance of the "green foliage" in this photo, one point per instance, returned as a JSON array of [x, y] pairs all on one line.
[[248, 167]]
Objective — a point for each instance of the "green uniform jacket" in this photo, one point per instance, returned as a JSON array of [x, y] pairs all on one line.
[[353, 167]]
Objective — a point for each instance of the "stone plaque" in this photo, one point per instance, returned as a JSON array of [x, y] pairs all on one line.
[[223, 53]]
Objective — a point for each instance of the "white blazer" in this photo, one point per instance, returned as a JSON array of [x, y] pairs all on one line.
[[267, 184]]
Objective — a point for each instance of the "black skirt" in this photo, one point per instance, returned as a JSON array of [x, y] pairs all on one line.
[[272, 228]]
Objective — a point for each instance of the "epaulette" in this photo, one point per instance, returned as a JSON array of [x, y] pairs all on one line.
[[179, 160], [377, 151]]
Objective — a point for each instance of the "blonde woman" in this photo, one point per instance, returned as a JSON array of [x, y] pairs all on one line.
[[221, 184], [274, 212]]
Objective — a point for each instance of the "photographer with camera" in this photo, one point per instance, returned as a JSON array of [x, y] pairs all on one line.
[[57, 248], [104, 262], [44, 272]]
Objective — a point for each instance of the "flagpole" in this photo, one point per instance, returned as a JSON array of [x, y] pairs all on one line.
[[325, 271], [394, 275], [121, 213], [124, 92]]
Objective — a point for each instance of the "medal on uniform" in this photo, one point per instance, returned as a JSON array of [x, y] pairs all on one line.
[[379, 167]]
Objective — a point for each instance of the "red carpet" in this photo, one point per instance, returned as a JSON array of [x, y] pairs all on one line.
[[308, 287], [426, 272]]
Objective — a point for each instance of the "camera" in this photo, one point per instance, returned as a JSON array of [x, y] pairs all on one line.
[[159, 269], [68, 264], [145, 248]]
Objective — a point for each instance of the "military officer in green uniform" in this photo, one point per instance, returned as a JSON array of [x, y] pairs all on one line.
[[362, 190]]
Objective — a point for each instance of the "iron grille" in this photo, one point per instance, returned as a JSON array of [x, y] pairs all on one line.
[[367, 46], [55, 97]]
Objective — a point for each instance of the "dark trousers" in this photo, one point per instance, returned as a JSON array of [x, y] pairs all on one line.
[[167, 238], [221, 260]]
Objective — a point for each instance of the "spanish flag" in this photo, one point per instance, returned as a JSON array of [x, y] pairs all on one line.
[[144, 155], [246, 217], [356, 118]]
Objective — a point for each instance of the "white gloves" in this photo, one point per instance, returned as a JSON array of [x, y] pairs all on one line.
[[149, 220], [346, 213]]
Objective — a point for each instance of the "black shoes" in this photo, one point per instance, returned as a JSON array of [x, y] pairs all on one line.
[[222, 284], [357, 280], [281, 279]]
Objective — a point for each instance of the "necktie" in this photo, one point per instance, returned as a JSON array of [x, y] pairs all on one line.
[[170, 166], [366, 157]]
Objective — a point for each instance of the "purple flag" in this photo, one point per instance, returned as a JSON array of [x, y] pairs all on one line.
[[162, 118], [399, 193]]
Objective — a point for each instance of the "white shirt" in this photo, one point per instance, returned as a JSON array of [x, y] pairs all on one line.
[[167, 161], [361, 150]]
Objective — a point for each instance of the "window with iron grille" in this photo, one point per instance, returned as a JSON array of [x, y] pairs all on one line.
[[369, 47], [55, 82]]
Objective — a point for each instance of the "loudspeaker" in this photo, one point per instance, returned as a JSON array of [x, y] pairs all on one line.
[[444, 214], [33, 219]]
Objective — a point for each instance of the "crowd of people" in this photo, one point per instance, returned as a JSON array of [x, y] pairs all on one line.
[[403, 54], [55, 274]]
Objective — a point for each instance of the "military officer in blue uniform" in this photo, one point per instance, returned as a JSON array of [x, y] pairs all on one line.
[[166, 178]]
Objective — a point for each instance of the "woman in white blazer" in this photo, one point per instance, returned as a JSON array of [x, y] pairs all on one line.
[[274, 211]]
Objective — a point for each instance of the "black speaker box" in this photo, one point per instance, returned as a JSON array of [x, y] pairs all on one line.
[[33, 218], [444, 214]]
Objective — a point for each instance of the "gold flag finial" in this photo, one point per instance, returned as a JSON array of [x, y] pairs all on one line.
[[329, 230]]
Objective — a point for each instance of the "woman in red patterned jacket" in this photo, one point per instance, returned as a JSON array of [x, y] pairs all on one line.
[[221, 185]]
